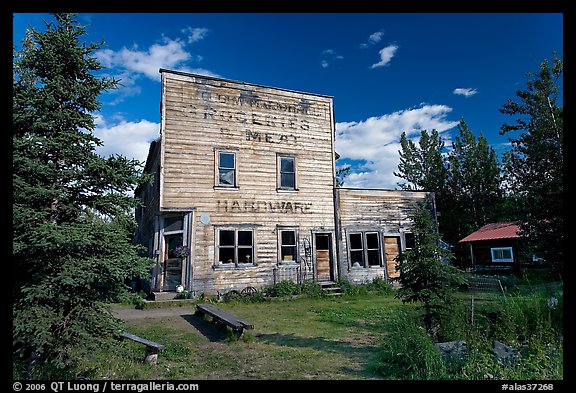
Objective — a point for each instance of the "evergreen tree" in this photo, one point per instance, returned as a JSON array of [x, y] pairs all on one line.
[[423, 166], [424, 277], [535, 164], [72, 215], [474, 182]]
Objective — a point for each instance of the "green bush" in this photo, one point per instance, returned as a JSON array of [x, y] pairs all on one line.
[[283, 288]]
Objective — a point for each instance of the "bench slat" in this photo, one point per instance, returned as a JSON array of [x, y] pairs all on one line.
[[224, 316], [141, 340]]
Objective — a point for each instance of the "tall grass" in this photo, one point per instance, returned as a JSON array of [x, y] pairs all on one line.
[[532, 324]]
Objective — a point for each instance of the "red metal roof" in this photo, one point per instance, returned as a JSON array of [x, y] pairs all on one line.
[[498, 230]]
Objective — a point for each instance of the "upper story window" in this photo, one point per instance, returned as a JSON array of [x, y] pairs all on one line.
[[227, 169], [287, 173]]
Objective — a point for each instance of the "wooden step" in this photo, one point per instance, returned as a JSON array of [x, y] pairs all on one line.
[[158, 296]]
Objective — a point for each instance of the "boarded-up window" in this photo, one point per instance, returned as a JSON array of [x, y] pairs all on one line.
[[391, 250], [226, 169], [235, 246], [287, 173]]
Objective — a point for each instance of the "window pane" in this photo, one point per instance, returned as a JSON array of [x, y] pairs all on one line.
[[288, 238], [372, 241], [173, 224], [227, 238], [173, 241], [322, 242], [506, 254], [373, 257], [244, 238], [245, 255], [355, 241], [289, 253], [287, 180], [287, 164], [409, 237], [227, 160], [227, 177], [226, 255], [357, 258]]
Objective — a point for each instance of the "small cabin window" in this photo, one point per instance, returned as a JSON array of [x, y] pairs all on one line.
[[502, 254]]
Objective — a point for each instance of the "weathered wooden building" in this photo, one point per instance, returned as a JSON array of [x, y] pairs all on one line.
[[244, 192], [373, 227]]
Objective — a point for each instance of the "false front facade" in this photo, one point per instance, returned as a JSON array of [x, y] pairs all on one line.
[[244, 189]]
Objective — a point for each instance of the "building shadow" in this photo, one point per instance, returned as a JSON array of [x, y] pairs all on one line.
[[213, 332], [364, 354]]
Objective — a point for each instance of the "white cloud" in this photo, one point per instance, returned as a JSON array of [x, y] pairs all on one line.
[[386, 54], [376, 142], [329, 55], [168, 54], [129, 139], [195, 34], [466, 92], [130, 64], [374, 38]]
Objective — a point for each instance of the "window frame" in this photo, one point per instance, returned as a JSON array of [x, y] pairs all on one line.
[[350, 249], [379, 249], [295, 245], [365, 263], [218, 168], [236, 247], [279, 172], [502, 260]]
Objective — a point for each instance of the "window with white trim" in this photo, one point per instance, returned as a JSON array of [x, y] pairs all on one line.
[[502, 254], [286, 172], [288, 244], [235, 246], [227, 169]]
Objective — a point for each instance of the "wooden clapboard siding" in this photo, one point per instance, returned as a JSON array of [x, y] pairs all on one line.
[[384, 211], [204, 115]]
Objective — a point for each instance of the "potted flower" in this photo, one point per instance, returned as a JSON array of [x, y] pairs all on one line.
[[181, 252]]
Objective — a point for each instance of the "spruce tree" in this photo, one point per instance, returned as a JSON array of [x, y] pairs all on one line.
[[424, 277], [535, 164], [72, 212]]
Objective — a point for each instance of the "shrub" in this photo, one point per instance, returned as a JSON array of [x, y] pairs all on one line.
[[283, 288]]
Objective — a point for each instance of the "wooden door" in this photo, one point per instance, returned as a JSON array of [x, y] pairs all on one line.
[[323, 257], [391, 250]]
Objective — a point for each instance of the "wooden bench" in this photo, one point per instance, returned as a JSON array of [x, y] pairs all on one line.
[[152, 348], [227, 318]]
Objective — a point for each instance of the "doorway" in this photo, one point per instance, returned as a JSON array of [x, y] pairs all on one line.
[[324, 265]]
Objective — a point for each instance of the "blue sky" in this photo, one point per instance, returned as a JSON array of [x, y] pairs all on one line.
[[387, 72]]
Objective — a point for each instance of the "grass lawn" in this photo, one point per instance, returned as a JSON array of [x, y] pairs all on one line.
[[306, 338]]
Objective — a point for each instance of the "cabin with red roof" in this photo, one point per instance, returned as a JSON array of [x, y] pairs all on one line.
[[496, 246]]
